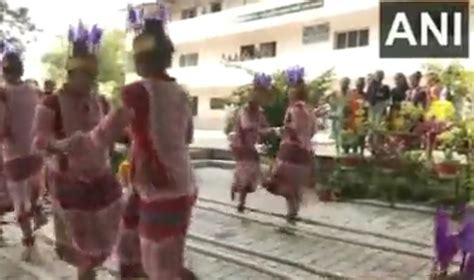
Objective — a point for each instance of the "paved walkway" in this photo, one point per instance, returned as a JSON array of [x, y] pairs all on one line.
[[216, 139], [215, 183]]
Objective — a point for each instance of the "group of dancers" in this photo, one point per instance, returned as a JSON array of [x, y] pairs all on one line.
[[65, 140], [292, 172]]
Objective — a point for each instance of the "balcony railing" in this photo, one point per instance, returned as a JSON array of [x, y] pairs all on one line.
[[282, 10]]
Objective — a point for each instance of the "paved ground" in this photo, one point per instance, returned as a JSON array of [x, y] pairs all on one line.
[[224, 245], [415, 226], [360, 241], [201, 258], [218, 140]]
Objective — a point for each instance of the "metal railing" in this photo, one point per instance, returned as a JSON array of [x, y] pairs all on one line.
[[283, 10]]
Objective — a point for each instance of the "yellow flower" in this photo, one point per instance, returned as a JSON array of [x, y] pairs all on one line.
[[124, 170], [398, 123], [441, 110]]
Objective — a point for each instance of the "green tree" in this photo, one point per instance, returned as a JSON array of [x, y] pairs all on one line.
[[459, 81], [112, 57], [15, 24], [55, 62], [111, 62]]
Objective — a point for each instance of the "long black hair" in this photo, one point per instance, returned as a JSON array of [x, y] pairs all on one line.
[[158, 58], [12, 64], [80, 50]]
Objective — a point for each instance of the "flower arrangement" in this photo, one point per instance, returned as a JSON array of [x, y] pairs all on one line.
[[449, 141], [403, 126], [411, 115], [387, 154], [441, 110]]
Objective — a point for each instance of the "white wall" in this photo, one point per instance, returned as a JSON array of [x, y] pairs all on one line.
[[211, 79], [290, 51]]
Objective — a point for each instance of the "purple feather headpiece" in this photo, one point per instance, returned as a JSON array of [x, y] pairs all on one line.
[[466, 235], [445, 242], [92, 38], [261, 80], [295, 75], [6, 47], [136, 17]]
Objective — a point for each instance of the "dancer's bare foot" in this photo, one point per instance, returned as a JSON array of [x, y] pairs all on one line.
[[292, 219], [30, 254], [89, 274], [241, 209], [188, 275], [40, 220], [3, 242]]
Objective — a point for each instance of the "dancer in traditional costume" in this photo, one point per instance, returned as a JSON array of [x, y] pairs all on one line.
[[292, 172], [6, 204], [21, 166], [161, 171], [86, 196], [249, 128]]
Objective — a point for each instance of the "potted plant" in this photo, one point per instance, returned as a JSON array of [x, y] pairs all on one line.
[[387, 154], [350, 158], [448, 141], [403, 128]]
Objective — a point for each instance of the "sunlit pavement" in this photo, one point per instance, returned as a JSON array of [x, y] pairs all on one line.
[[332, 240], [218, 140]]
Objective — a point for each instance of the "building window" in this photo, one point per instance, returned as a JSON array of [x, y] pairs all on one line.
[[352, 39], [216, 7], [247, 52], [186, 60], [268, 49], [194, 105], [341, 39], [188, 13], [217, 103], [316, 33], [364, 37]]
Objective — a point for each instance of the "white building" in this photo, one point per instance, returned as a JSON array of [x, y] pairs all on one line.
[[273, 34]]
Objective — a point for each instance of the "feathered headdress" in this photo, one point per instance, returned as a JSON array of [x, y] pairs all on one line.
[[84, 45], [135, 18], [151, 24], [6, 47], [445, 241], [261, 80], [447, 244], [295, 76]]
